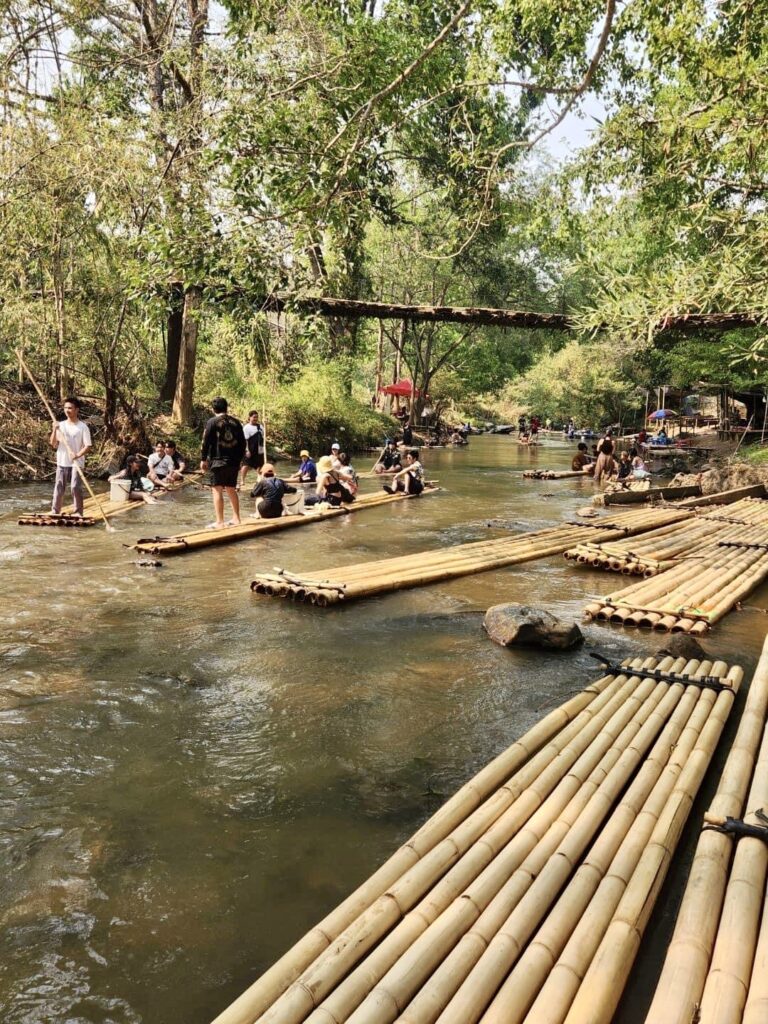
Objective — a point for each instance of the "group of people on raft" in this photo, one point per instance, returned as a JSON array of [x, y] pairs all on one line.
[[230, 449], [603, 465]]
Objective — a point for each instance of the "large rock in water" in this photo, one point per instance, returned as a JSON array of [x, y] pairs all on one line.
[[516, 624]]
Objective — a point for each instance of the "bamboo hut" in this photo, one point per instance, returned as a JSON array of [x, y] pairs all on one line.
[[716, 968], [566, 832], [184, 543], [366, 579]]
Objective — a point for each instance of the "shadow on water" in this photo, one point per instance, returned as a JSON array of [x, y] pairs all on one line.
[[192, 776]]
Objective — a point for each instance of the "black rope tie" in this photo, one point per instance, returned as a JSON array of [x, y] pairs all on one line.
[[740, 829], [704, 682]]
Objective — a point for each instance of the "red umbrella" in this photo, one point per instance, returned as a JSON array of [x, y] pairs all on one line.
[[403, 388]]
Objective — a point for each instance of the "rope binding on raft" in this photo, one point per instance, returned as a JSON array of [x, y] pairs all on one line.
[[737, 827], [705, 682]]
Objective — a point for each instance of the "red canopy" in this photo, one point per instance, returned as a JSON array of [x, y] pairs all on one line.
[[404, 388]]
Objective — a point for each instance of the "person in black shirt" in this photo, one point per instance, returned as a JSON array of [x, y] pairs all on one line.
[[389, 460], [178, 460], [271, 490], [222, 452]]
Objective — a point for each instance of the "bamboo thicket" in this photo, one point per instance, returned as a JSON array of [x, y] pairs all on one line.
[[366, 579], [437, 931], [717, 960]]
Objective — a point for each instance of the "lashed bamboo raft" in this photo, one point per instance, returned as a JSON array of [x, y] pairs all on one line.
[[91, 514], [369, 578], [694, 594], [549, 848], [183, 543], [658, 550], [716, 968], [552, 474]]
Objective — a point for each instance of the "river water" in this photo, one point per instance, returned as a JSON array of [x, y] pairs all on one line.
[[192, 776]]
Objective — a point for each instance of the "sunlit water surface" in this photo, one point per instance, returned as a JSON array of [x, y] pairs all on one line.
[[192, 776]]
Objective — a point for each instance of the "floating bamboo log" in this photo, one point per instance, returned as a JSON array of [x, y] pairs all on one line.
[[369, 578], [692, 595], [690, 955], [184, 543], [553, 474], [52, 519], [407, 945], [636, 495]]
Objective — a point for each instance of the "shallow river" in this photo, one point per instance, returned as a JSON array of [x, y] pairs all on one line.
[[192, 776]]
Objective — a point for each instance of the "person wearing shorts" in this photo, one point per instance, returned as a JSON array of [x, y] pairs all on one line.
[[254, 446], [222, 452]]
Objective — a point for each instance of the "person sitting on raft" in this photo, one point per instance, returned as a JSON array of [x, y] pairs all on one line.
[[307, 471], [389, 460], [270, 489], [347, 473], [160, 469], [178, 460], [581, 462], [411, 479], [331, 487], [639, 469], [334, 456], [624, 470], [140, 486]]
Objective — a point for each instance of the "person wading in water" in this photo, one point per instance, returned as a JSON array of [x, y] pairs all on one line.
[[222, 452]]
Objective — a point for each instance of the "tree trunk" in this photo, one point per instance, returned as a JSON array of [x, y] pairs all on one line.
[[63, 381], [173, 344], [185, 383], [379, 366]]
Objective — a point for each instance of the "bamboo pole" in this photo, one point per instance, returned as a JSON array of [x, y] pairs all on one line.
[[606, 976], [563, 721], [725, 992]]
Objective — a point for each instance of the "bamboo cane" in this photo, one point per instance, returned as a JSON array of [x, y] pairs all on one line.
[[604, 980], [725, 992], [549, 763], [683, 975], [573, 715], [756, 1008], [509, 844], [107, 525]]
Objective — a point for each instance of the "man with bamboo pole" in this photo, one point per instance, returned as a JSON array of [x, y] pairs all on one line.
[[72, 440]]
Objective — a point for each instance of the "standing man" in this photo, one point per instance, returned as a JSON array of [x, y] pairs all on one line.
[[222, 452], [72, 440], [254, 450]]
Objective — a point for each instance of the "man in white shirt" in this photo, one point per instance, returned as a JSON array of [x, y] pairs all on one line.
[[160, 468], [254, 447], [72, 440]]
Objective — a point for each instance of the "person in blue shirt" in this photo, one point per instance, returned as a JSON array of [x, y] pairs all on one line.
[[307, 473]]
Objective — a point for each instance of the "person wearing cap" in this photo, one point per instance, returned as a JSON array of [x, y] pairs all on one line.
[[334, 456], [269, 492], [307, 471], [389, 460]]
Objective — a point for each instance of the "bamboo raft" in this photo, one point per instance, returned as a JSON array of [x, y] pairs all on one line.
[[716, 968], [542, 870], [694, 594], [91, 514], [658, 550], [553, 474], [366, 579], [180, 545]]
